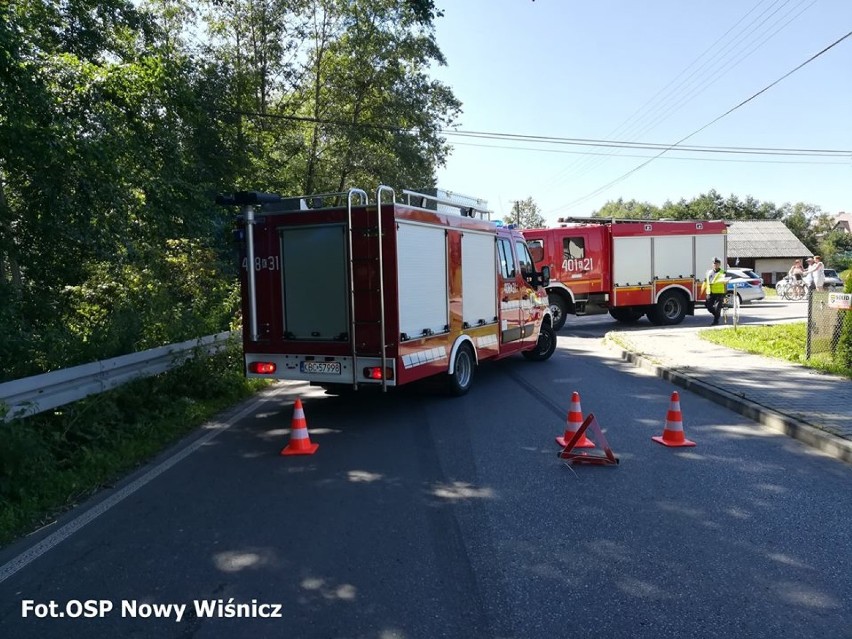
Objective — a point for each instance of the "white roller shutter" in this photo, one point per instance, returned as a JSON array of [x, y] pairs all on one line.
[[479, 278], [673, 256], [706, 248], [422, 268], [631, 261]]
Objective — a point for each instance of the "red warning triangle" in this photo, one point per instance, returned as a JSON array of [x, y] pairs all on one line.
[[604, 458]]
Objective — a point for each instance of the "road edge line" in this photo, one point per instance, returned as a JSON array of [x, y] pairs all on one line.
[[54, 539]]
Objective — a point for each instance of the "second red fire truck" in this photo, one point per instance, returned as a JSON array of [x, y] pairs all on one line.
[[627, 268]]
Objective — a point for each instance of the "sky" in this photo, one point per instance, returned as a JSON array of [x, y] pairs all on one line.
[[654, 72]]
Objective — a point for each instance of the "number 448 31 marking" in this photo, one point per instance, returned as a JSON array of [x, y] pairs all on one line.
[[270, 263]]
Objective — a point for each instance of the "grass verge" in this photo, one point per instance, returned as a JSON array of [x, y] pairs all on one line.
[[782, 341], [52, 461]]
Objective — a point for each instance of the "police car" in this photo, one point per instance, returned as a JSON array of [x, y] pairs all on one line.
[[746, 283]]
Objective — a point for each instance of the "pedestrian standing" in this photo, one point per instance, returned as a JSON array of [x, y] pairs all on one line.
[[714, 287], [817, 272], [809, 276], [796, 271]]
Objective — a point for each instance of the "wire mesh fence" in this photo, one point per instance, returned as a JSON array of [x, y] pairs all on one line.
[[827, 312]]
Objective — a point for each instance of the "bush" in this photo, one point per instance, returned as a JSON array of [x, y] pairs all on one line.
[[843, 355], [50, 461]]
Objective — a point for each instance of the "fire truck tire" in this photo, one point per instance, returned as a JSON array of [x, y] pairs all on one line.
[[626, 314], [670, 309], [461, 379], [544, 347], [558, 310]]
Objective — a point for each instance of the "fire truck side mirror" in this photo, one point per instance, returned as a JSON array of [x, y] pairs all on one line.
[[545, 276]]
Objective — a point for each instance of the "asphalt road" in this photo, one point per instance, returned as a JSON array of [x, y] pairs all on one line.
[[425, 516], [766, 311]]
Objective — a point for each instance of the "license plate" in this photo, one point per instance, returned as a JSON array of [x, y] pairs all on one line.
[[323, 368]]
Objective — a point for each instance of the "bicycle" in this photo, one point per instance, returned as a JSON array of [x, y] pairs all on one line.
[[795, 290]]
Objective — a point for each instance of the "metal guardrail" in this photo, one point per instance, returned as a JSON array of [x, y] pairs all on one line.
[[39, 393]]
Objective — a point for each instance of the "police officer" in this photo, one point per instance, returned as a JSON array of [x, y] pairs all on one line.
[[714, 286]]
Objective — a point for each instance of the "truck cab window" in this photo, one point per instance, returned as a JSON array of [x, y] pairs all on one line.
[[525, 260], [536, 248], [506, 258], [573, 248]]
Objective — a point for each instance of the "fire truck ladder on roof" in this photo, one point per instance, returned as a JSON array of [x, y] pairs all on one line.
[[381, 290], [432, 202], [564, 221], [600, 220]]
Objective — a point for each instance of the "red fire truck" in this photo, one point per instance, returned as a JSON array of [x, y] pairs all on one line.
[[628, 268], [340, 292]]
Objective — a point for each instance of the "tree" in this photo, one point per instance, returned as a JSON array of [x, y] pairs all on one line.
[[633, 209], [119, 119], [801, 218], [834, 246], [707, 206], [425, 10], [525, 214], [329, 94], [106, 172], [377, 113]]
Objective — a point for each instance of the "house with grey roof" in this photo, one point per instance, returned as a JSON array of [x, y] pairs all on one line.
[[765, 246], [843, 221]]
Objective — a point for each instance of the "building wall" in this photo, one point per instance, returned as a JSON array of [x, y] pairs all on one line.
[[773, 269]]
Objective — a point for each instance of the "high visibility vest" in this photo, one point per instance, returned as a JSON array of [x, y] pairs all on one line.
[[714, 282]]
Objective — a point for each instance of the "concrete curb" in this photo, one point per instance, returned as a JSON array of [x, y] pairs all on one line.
[[778, 422]]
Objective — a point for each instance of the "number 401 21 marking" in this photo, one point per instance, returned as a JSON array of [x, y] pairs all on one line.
[[270, 263], [578, 264]]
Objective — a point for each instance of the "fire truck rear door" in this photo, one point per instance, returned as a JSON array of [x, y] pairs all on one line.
[[316, 295]]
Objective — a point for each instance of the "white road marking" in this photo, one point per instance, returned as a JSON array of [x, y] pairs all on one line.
[[216, 428]]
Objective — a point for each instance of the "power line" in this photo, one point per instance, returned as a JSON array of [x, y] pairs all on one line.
[[686, 90], [545, 139], [728, 66], [592, 142], [728, 112], [694, 159]]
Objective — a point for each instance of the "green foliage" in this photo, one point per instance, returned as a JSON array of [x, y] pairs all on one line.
[[782, 341], [707, 206], [632, 209], [843, 354], [526, 214], [49, 462], [835, 247], [120, 120]]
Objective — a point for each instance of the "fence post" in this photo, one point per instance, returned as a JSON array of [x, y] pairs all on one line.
[[810, 324]]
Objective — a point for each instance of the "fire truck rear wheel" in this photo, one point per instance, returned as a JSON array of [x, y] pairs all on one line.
[[558, 310], [670, 309], [460, 380], [544, 347]]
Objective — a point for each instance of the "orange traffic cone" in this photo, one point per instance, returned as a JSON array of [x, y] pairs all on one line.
[[575, 420], [300, 442], [673, 432]]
